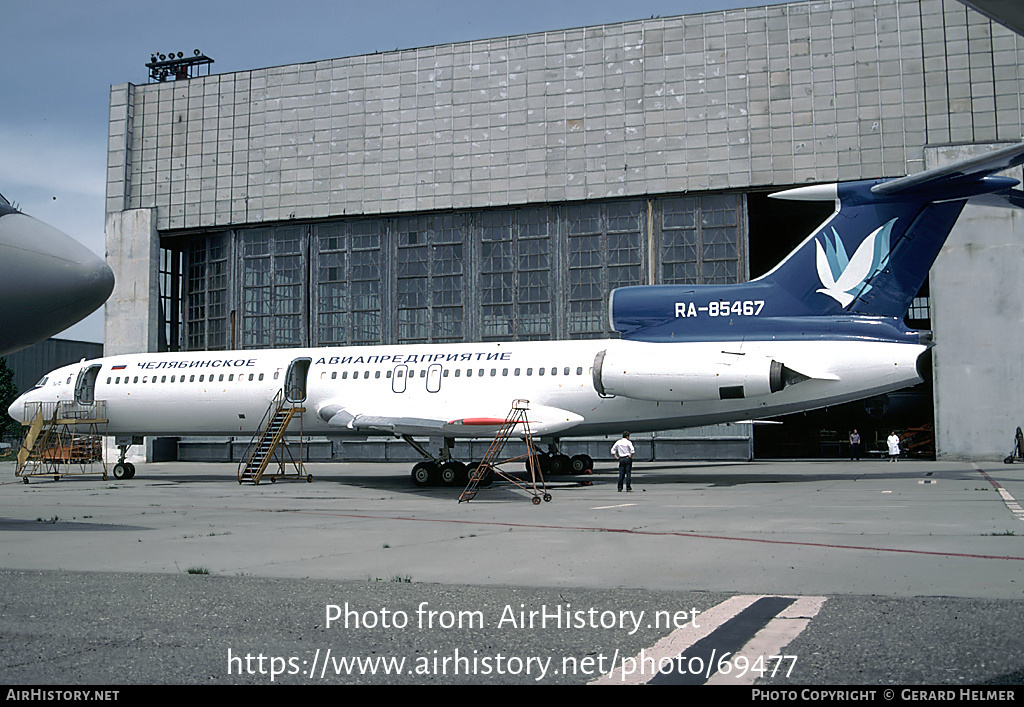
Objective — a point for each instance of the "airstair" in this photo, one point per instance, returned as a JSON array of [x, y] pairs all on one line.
[[62, 438], [269, 440], [483, 473]]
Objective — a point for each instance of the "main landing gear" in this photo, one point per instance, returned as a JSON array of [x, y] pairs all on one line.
[[442, 470], [442, 473], [554, 463]]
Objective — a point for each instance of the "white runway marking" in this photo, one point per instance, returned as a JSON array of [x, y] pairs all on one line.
[[1008, 499], [769, 641], [772, 639]]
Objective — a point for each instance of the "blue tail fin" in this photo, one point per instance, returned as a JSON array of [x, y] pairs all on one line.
[[869, 259]]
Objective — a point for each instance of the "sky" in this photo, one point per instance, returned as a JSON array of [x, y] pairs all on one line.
[[60, 58]]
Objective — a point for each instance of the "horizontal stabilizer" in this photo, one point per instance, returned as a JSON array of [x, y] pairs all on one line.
[[963, 172]]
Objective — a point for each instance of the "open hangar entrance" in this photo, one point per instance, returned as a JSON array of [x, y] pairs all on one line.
[[776, 227]]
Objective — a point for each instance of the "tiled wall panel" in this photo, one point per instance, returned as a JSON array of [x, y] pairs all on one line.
[[809, 91]]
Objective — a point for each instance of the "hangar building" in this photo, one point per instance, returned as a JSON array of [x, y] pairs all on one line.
[[499, 189]]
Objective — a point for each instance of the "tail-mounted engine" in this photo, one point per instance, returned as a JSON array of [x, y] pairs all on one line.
[[685, 372]]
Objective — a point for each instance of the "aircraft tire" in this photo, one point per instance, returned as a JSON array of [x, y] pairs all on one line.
[[131, 470], [544, 462], [580, 463], [451, 472], [488, 477], [424, 474], [558, 464], [120, 471]]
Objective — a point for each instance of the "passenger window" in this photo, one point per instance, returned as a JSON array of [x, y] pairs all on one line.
[[108, 381], [469, 373], [579, 371], [504, 371], [261, 376], [565, 372], [540, 371], [221, 378], [163, 379], [529, 371], [334, 375], [191, 379], [516, 372], [458, 371], [376, 374], [481, 372], [251, 376]]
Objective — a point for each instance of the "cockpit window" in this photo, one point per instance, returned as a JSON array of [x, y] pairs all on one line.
[[41, 383], [3, 201]]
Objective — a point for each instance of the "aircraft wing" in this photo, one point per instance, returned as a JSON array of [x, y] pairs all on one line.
[[480, 420]]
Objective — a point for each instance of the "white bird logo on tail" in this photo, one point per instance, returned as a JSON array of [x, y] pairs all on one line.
[[843, 277]]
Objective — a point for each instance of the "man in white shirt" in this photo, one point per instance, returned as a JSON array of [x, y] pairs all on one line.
[[623, 451]]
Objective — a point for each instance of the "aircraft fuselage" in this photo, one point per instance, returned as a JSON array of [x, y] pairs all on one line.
[[455, 389]]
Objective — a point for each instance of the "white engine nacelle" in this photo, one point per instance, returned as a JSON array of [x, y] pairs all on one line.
[[684, 372]]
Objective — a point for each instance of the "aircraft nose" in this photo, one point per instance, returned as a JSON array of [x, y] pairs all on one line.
[[17, 408], [50, 281]]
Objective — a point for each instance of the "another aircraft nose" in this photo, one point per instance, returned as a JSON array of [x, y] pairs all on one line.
[[49, 281]]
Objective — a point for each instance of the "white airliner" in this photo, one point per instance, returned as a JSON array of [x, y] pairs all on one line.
[[48, 280], [824, 327]]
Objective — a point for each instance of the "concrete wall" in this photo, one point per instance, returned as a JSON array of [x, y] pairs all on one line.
[[132, 315], [977, 291], [718, 442], [812, 91]]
